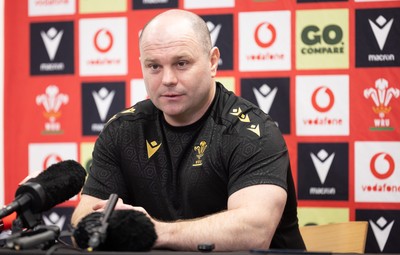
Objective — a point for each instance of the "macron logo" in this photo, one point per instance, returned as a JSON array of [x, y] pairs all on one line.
[[265, 97], [51, 41], [103, 100], [55, 219], [381, 30], [214, 31], [322, 163], [381, 231]]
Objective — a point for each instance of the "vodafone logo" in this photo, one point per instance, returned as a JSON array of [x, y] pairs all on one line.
[[324, 104], [103, 46], [269, 47], [103, 40], [43, 155], [377, 173], [50, 160], [322, 99], [50, 7], [265, 35], [382, 165]]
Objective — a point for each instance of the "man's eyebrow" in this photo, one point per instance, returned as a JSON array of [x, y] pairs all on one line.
[[149, 60], [182, 57], [175, 58]]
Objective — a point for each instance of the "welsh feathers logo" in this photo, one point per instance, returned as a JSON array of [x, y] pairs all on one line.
[[52, 100], [381, 95]]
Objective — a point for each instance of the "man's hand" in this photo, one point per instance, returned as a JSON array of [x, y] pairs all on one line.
[[99, 206]]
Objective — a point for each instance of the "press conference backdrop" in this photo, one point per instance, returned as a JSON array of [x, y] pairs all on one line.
[[328, 73]]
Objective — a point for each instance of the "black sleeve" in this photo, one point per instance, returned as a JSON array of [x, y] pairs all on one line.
[[257, 159], [105, 175]]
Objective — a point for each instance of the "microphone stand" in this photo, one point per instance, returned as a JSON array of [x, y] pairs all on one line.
[[100, 232], [26, 219], [27, 233], [41, 237]]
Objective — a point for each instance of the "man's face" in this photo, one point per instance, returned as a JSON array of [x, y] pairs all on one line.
[[178, 73]]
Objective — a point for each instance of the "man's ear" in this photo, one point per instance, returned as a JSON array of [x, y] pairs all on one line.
[[214, 60]]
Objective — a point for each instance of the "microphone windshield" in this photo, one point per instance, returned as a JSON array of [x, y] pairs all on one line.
[[128, 230], [60, 182]]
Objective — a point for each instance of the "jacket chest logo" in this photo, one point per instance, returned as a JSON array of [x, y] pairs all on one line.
[[152, 147], [200, 149]]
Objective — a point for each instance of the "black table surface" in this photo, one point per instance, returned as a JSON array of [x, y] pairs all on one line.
[[69, 250]]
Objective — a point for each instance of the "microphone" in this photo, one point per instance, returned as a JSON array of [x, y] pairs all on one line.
[[58, 183], [128, 230], [100, 233]]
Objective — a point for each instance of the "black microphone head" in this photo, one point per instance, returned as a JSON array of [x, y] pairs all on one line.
[[128, 230], [58, 183], [85, 229]]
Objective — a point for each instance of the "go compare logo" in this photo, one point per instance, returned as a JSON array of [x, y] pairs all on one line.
[[313, 38], [322, 39]]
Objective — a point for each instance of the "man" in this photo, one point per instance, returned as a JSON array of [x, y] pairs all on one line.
[[205, 165]]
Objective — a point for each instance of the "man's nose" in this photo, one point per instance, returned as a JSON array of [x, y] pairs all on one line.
[[169, 77]]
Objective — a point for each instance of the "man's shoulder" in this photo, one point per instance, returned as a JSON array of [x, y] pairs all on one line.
[[144, 110], [241, 120], [241, 116]]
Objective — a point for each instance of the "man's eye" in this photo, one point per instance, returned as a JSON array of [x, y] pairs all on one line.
[[182, 64], [154, 67]]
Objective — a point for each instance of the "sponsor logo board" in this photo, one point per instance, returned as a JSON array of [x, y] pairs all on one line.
[[264, 41], [103, 46], [323, 172], [102, 101], [322, 105], [377, 172], [322, 39], [272, 95]]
